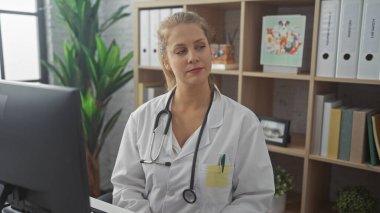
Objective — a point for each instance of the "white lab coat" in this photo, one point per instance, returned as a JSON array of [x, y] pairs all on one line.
[[231, 129]]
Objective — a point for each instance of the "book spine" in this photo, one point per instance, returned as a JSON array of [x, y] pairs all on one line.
[[333, 143]]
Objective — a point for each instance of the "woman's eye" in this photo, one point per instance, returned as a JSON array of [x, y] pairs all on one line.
[[200, 47], [180, 52]]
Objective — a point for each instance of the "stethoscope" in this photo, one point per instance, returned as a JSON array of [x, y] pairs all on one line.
[[188, 194]]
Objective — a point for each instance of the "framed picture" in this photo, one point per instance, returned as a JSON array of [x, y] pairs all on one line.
[[276, 131]]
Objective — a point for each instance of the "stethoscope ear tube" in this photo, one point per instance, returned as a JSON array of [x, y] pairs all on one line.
[[169, 119]]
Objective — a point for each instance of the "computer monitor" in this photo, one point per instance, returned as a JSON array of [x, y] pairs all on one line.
[[42, 155]]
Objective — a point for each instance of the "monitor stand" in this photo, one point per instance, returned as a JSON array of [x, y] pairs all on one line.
[[5, 190], [16, 196], [9, 210]]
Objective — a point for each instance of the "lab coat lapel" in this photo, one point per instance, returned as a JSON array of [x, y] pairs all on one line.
[[214, 120]]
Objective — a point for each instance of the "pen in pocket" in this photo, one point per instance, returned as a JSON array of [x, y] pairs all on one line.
[[222, 162]]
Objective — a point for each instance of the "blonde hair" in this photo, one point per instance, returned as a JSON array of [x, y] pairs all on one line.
[[164, 32]]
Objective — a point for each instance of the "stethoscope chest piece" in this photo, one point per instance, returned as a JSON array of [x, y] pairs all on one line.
[[189, 196]]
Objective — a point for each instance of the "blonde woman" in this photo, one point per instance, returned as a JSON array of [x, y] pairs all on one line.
[[192, 149]]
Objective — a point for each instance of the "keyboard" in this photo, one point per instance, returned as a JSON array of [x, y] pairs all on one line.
[[94, 210], [98, 206]]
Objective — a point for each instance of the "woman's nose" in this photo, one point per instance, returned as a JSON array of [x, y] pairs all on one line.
[[193, 57]]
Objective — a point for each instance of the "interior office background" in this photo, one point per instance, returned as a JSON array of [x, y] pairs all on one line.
[[122, 33]]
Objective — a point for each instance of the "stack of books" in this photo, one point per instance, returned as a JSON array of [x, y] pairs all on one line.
[[345, 133]]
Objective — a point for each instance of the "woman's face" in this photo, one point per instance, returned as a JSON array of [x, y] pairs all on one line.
[[188, 55]]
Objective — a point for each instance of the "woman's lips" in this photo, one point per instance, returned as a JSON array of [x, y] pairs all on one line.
[[196, 70]]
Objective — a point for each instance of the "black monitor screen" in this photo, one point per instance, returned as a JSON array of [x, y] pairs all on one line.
[[42, 156]]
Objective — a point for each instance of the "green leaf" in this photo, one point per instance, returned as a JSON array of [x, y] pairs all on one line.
[[102, 53], [125, 78], [89, 64], [116, 16], [107, 129], [57, 75]]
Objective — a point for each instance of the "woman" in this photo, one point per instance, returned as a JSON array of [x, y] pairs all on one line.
[[213, 157]]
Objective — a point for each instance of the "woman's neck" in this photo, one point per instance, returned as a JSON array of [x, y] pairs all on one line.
[[191, 98]]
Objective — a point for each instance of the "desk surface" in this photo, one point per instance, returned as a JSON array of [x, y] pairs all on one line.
[[95, 203], [106, 207]]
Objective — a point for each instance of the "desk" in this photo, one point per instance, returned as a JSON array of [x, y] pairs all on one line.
[[106, 207], [95, 203]]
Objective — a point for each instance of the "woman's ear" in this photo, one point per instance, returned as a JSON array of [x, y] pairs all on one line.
[[165, 61]]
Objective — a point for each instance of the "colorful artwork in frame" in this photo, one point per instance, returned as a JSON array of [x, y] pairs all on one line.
[[283, 40]]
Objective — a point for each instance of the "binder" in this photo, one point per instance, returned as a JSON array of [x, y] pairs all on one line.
[[319, 102], [376, 132], [345, 134], [349, 38], [369, 56], [326, 124], [374, 160], [359, 145], [154, 24], [334, 133], [176, 10], [328, 38], [164, 13], [144, 38]]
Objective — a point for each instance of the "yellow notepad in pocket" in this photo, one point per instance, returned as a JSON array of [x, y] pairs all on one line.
[[216, 178]]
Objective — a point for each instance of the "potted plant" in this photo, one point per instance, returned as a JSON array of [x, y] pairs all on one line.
[[283, 182], [355, 199], [96, 69]]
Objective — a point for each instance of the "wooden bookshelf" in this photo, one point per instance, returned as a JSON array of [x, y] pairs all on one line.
[[257, 90]]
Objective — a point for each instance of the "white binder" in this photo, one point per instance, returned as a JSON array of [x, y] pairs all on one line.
[[164, 13], [177, 9], [154, 24], [326, 124], [369, 53], [328, 38], [144, 38], [349, 38]]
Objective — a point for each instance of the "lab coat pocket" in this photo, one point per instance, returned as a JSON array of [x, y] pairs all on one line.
[[215, 184]]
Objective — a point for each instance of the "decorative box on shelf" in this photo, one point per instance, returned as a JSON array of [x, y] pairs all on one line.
[[223, 57]]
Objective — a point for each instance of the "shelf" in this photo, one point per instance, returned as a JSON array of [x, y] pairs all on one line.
[[156, 4], [216, 4], [225, 72], [366, 167], [296, 148], [284, 3], [216, 72], [259, 74], [345, 80], [153, 68]]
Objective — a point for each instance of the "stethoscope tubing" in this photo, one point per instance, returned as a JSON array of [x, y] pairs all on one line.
[[156, 122], [198, 143], [188, 194]]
